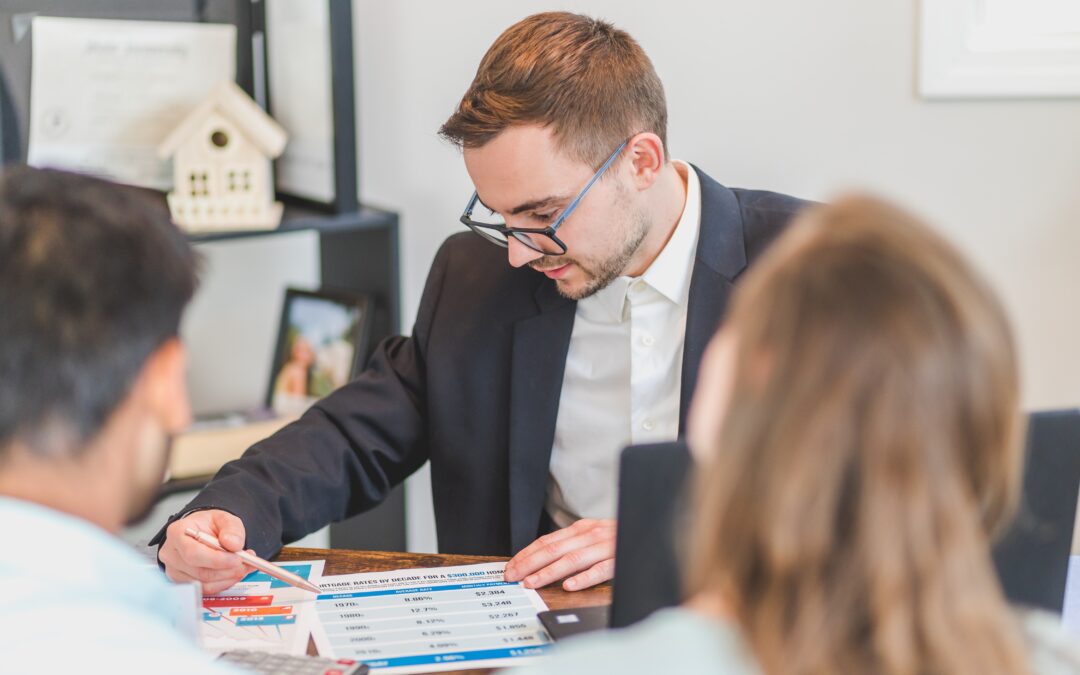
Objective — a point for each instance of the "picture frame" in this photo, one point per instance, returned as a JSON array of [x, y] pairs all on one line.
[[319, 166], [106, 94], [998, 49], [323, 340], [15, 49]]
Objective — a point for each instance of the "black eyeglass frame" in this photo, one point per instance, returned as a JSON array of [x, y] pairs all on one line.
[[524, 234]]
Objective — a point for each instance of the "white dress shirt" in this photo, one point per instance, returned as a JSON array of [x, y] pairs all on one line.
[[623, 373]]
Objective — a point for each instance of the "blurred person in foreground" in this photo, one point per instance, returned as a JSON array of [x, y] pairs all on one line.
[[93, 281], [857, 429]]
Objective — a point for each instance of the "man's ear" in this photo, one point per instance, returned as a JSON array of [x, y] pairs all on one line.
[[646, 152], [166, 386]]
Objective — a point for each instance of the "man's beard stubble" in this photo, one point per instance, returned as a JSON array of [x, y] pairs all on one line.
[[601, 273]]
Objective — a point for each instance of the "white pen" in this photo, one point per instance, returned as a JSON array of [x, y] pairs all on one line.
[[256, 562]]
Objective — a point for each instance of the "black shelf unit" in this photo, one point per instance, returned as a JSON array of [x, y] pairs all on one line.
[[298, 217], [358, 251]]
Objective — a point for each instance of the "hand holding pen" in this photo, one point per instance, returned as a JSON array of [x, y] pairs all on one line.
[[187, 559], [255, 561]]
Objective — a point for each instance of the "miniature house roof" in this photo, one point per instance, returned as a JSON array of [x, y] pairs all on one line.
[[232, 102]]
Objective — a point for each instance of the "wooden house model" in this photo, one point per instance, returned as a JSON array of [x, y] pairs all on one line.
[[221, 157]]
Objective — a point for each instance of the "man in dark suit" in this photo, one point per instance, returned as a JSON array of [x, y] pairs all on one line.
[[522, 382]]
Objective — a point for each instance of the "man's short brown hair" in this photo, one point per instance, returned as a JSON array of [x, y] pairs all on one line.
[[587, 80]]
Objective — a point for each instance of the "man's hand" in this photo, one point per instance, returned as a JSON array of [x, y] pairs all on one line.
[[186, 559], [585, 550]]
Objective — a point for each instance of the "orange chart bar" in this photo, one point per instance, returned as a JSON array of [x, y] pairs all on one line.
[[260, 611], [237, 600]]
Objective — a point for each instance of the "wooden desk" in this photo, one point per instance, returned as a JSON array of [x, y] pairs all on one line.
[[351, 562]]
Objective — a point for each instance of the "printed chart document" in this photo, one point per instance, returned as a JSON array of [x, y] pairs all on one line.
[[424, 620], [262, 613]]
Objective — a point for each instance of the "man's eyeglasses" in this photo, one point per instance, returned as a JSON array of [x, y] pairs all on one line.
[[542, 240]]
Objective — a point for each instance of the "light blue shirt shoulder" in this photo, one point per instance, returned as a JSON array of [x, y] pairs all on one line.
[[73, 597], [681, 641], [670, 641]]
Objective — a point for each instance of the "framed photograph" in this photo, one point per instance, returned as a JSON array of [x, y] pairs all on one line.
[[999, 49], [310, 92], [322, 342]]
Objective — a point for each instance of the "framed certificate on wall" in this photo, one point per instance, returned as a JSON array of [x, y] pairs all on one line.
[[17, 18], [105, 93], [310, 92]]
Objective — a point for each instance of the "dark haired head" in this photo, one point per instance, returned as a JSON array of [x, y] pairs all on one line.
[[93, 279]]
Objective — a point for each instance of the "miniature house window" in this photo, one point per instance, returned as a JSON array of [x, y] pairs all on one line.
[[200, 183], [238, 180], [219, 138]]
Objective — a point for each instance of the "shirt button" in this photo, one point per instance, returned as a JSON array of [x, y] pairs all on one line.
[[648, 340], [648, 425], [638, 286]]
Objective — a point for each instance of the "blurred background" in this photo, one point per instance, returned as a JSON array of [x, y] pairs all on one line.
[[805, 97]]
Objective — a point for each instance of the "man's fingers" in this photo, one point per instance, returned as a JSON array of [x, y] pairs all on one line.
[[195, 554], [549, 548], [206, 576], [211, 581], [215, 587], [207, 587], [515, 569], [181, 559], [572, 550], [186, 559], [597, 574], [573, 530], [228, 529], [177, 574], [582, 553]]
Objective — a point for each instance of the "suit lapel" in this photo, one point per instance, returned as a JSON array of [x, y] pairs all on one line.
[[538, 362], [721, 256], [541, 343], [709, 292]]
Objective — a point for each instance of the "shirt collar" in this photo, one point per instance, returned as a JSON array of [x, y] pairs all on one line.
[[610, 301], [670, 273]]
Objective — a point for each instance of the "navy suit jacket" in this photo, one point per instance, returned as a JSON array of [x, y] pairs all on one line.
[[475, 391]]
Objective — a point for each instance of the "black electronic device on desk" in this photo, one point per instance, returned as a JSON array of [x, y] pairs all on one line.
[[652, 491], [652, 481], [1033, 556], [563, 623]]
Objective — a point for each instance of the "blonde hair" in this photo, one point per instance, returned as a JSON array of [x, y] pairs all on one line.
[[870, 446]]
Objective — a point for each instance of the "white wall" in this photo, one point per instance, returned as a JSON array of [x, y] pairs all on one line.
[[232, 325], [801, 97]]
